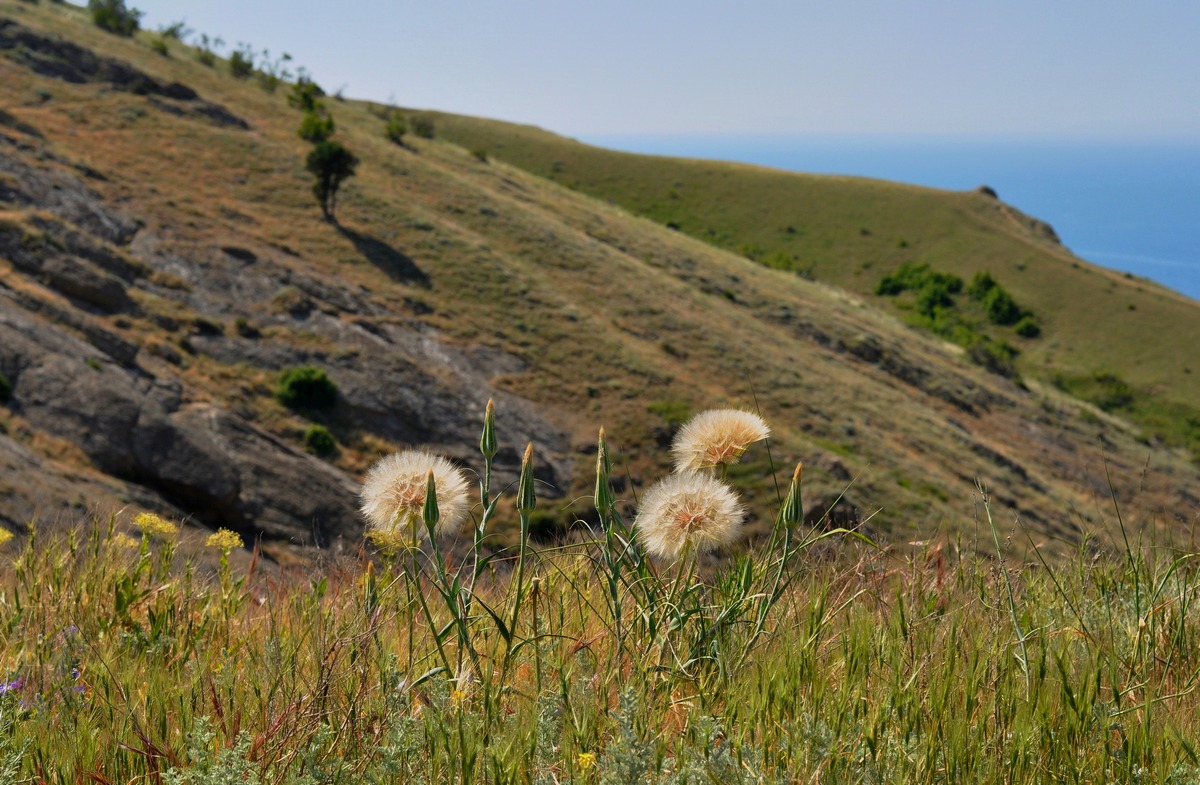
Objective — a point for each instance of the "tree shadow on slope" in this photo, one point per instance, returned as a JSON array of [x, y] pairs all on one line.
[[397, 266]]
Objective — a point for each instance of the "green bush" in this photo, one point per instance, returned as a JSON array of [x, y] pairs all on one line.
[[1111, 392], [422, 126], [6, 388], [933, 295], [315, 128], [306, 387], [915, 277], [319, 441], [1028, 327], [306, 94], [396, 128], [115, 17], [205, 51], [331, 163], [179, 31], [999, 357], [1000, 307], [981, 284], [241, 61]]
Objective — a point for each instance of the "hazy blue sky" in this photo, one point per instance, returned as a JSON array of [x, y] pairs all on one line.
[[1043, 67]]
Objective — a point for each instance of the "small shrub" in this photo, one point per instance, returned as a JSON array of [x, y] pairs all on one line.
[[159, 45], [207, 327], [6, 388], [243, 327], [480, 155], [206, 52], [272, 72], [1111, 392], [933, 295], [997, 357], [291, 300], [315, 128], [396, 128], [115, 17], [331, 163], [422, 126], [1000, 307], [305, 94], [306, 387], [179, 31], [915, 277], [1028, 327], [980, 285], [241, 61], [319, 441]]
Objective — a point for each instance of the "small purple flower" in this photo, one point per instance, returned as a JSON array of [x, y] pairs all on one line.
[[12, 686]]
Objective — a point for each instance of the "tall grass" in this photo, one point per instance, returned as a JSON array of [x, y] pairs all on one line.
[[813, 657]]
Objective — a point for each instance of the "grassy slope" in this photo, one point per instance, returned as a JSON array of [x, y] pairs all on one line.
[[611, 314], [871, 669], [851, 231]]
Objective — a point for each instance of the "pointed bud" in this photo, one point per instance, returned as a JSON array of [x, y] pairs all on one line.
[[487, 442], [430, 512], [792, 511], [526, 499], [604, 496]]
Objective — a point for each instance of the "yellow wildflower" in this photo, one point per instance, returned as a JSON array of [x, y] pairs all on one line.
[[5, 536], [154, 525], [225, 540], [587, 760], [123, 540]]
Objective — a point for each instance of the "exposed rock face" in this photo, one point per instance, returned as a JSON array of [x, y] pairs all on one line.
[[61, 59], [150, 437]]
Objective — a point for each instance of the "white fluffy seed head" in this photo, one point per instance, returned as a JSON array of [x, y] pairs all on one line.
[[691, 510], [393, 495], [716, 437]]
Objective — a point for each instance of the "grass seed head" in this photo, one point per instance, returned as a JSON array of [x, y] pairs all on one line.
[[716, 437], [689, 509], [393, 495]]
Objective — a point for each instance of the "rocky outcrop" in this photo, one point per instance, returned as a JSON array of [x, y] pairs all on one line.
[[149, 435], [62, 59]]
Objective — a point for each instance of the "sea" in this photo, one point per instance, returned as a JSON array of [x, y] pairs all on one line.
[[1133, 206]]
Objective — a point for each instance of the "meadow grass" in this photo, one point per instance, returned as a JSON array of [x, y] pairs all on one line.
[[814, 657]]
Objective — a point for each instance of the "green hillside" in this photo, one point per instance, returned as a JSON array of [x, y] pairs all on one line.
[[850, 232], [164, 263]]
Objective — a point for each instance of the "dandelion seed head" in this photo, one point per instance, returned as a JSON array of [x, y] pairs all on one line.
[[716, 437], [224, 540], [393, 495], [155, 525], [688, 510]]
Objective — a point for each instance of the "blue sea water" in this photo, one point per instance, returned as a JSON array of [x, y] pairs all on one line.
[[1131, 206]]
